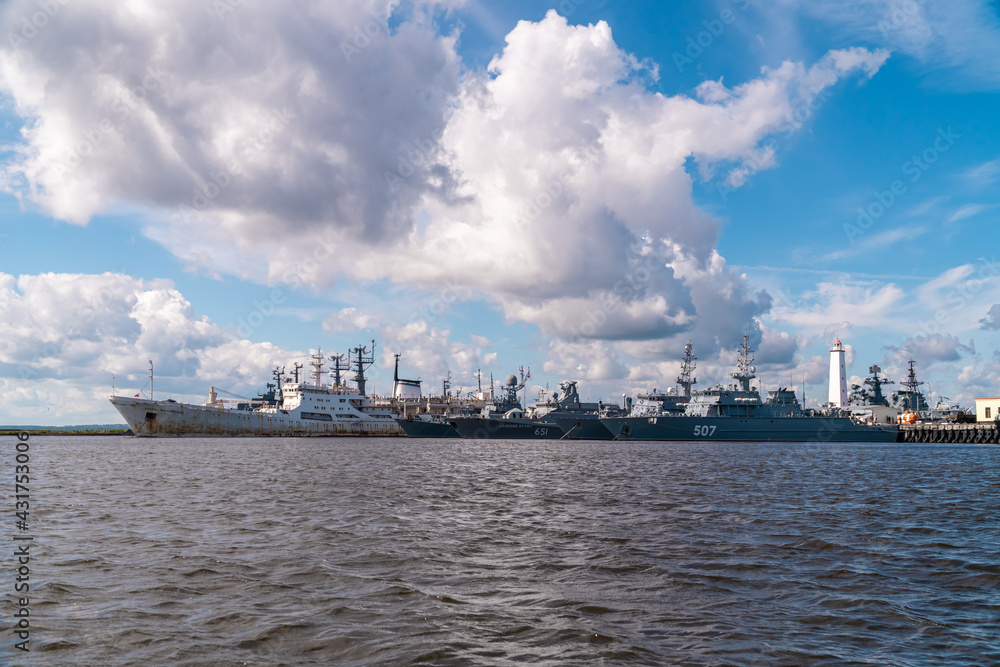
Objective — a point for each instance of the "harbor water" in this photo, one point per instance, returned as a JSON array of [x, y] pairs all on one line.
[[352, 551]]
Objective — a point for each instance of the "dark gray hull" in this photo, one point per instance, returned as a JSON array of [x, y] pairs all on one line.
[[582, 428], [418, 428], [761, 429], [478, 428]]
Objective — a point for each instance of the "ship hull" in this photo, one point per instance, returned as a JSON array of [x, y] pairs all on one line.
[[478, 428], [577, 428], [419, 428], [786, 429], [169, 419]]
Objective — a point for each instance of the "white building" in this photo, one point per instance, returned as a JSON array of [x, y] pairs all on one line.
[[838, 376], [987, 409]]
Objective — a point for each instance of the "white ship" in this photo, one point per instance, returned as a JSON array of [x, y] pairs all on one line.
[[289, 408]]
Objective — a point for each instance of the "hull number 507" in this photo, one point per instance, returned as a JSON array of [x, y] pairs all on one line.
[[707, 431]]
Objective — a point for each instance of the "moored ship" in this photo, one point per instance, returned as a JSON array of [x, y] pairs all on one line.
[[292, 408], [737, 413], [503, 418]]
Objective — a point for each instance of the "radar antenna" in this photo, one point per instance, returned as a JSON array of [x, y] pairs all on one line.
[[337, 360], [363, 360], [684, 380], [744, 365], [278, 373]]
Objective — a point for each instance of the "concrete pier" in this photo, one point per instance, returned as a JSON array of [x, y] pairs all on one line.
[[981, 433]]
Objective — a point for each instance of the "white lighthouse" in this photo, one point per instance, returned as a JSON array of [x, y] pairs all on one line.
[[838, 376]]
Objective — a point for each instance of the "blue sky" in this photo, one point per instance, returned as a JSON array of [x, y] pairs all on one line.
[[578, 188]]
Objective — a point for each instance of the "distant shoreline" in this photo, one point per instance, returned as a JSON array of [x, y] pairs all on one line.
[[56, 431]]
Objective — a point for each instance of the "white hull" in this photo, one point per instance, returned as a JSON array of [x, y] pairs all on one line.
[[170, 419]]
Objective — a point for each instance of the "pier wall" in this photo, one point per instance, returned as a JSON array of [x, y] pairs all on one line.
[[981, 433]]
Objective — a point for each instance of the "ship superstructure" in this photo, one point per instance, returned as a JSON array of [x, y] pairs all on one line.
[[736, 412], [674, 400], [289, 408], [909, 397]]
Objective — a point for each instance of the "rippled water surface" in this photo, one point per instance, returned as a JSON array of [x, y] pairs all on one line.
[[395, 551]]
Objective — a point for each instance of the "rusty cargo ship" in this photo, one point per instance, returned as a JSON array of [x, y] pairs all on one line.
[[288, 408]]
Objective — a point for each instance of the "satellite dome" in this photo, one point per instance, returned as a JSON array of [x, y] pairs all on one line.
[[511, 381]]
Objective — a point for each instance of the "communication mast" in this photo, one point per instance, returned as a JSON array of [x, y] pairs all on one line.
[[744, 365], [362, 361], [684, 380], [317, 366], [337, 360]]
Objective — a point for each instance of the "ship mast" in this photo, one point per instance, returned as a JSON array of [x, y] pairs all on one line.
[[295, 371], [317, 366], [363, 361], [337, 359], [684, 380], [446, 385], [278, 373], [912, 389], [150, 379], [744, 365]]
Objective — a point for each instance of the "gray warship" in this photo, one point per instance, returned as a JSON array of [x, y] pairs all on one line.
[[504, 418], [737, 413], [559, 416], [433, 419]]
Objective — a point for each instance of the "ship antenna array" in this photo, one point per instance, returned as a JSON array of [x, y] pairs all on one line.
[[279, 374], [744, 364], [684, 380], [363, 361], [911, 379], [876, 383], [337, 360], [317, 366]]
